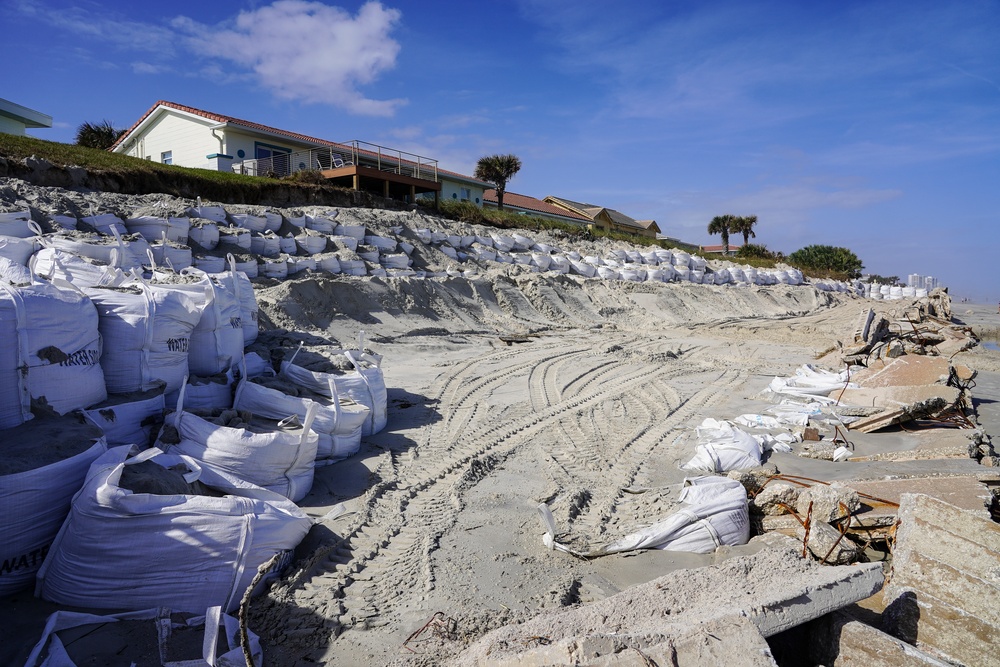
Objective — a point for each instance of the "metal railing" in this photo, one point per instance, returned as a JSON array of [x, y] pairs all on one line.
[[352, 153]]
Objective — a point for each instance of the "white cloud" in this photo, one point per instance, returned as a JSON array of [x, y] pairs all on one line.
[[307, 51]]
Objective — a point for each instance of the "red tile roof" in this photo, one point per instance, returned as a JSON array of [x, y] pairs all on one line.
[[220, 118], [531, 204]]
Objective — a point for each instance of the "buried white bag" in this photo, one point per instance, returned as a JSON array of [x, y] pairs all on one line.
[[714, 513], [168, 626], [722, 448], [365, 384], [128, 551], [338, 422], [277, 457], [217, 340], [34, 501], [128, 420], [51, 349], [147, 333]]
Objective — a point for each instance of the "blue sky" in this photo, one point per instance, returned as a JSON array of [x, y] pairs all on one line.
[[869, 125]]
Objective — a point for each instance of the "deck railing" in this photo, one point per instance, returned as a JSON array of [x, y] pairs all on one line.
[[359, 153]]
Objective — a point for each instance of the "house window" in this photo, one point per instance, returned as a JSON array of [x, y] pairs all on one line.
[[466, 194], [273, 159], [167, 157]]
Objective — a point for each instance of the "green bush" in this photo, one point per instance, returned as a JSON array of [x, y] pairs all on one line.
[[756, 251], [834, 261]]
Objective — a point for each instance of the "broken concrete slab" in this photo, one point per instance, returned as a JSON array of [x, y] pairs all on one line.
[[774, 588], [913, 397], [775, 498], [838, 640], [908, 370], [968, 492], [827, 544], [829, 502], [944, 586]]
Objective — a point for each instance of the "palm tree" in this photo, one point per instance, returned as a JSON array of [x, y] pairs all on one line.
[[498, 169], [723, 224], [744, 225], [97, 135]]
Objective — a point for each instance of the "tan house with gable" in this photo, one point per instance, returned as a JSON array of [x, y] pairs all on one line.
[[176, 134], [607, 218], [526, 205]]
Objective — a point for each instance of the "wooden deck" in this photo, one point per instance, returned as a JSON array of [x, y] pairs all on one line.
[[388, 184]]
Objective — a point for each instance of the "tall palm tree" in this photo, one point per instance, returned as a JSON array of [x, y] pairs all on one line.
[[498, 169], [723, 224], [744, 225], [97, 135]]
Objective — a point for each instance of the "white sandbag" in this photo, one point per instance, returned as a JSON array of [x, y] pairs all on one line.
[[51, 348], [266, 245], [607, 273], [273, 268], [14, 272], [234, 239], [204, 234], [583, 268], [16, 224], [354, 231], [714, 513], [255, 223], [123, 550], [365, 384], [338, 421], [311, 244], [383, 243], [35, 501], [165, 624], [209, 263], [254, 365], [52, 264], [300, 264], [722, 448], [272, 455], [106, 223], [215, 213], [147, 335], [272, 221], [395, 261], [18, 249], [813, 383], [320, 224], [521, 242], [541, 259], [502, 243], [126, 420], [176, 257], [328, 262], [125, 252], [63, 221], [370, 254], [297, 221], [211, 392], [153, 228], [287, 245], [217, 340], [353, 267], [348, 242], [247, 264]]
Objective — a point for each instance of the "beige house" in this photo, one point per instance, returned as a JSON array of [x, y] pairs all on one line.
[[607, 218], [173, 133], [530, 206]]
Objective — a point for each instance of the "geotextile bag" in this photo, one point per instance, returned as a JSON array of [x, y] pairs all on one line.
[[182, 640], [722, 448], [51, 348], [34, 501], [128, 422], [128, 551], [278, 456]]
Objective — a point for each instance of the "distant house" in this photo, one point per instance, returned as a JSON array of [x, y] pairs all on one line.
[[172, 133], [15, 119], [531, 206], [717, 249], [607, 218]]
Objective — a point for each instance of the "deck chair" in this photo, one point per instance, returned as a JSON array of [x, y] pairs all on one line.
[[339, 162]]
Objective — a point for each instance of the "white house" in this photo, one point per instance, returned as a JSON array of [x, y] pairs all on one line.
[[15, 119], [172, 133]]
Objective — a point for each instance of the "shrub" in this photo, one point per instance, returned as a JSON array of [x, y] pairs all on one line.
[[827, 258]]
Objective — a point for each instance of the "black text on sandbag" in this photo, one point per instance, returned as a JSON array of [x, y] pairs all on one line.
[[32, 559]]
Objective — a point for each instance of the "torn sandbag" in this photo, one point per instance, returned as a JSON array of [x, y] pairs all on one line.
[[714, 513], [178, 534], [723, 447], [181, 638], [812, 383]]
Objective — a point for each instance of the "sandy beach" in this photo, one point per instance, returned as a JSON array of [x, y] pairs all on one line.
[[508, 389]]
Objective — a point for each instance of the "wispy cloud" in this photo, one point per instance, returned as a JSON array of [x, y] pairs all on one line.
[[307, 51], [296, 49]]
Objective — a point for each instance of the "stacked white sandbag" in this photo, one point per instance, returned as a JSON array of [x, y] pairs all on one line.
[[204, 233], [147, 335], [189, 543], [42, 464], [45, 357], [277, 455], [126, 252], [106, 223], [365, 384], [338, 421], [128, 419], [81, 272], [152, 228], [13, 272]]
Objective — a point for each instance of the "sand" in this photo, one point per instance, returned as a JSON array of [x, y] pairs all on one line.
[[511, 389]]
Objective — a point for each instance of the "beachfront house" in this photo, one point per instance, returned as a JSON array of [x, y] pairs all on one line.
[[607, 218], [16, 119], [176, 134], [526, 205]]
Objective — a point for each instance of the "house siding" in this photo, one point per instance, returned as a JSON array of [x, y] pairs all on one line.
[[237, 141], [188, 139], [11, 126], [450, 188]]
